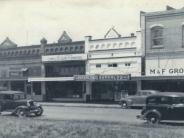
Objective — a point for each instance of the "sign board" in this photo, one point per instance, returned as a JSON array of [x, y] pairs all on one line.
[[101, 77], [67, 57], [165, 72]]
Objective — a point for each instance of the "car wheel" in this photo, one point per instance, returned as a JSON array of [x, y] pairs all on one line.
[[39, 112], [21, 113], [124, 105], [153, 119]]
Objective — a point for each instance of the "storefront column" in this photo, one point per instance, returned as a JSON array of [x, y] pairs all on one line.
[[87, 96], [43, 89], [9, 85], [139, 85], [43, 86]]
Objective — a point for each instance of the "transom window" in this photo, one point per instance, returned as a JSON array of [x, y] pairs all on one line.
[[157, 36]]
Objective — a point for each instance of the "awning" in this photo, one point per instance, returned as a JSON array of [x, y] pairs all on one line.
[[39, 79], [158, 78]]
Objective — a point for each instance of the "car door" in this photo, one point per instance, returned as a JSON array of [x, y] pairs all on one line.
[[165, 107], [177, 108], [136, 99], [8, 102]]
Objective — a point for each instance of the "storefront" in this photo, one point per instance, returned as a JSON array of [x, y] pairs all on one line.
[[108, 87]]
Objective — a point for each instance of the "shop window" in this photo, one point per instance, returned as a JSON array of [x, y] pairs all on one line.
[[157, 37], [112, 65], [37, 88], [127, 64], [47, 50], [61, 49], [98, 65]]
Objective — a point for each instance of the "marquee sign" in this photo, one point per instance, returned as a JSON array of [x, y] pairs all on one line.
[[102, 77], [68, 57]]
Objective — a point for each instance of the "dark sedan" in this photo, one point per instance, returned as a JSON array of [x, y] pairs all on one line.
[[163, 106]]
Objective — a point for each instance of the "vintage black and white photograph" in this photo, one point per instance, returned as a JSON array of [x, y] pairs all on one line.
[[91, 69]]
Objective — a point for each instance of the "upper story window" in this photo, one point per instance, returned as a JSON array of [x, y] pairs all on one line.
[[157, 37], [112, 65], [98, 65], [127, 64]]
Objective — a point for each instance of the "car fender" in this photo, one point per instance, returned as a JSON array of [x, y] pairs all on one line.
[[128, 101], [152, 112], [20, 107]]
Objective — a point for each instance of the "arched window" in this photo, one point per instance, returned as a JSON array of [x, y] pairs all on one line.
[[157, 36]]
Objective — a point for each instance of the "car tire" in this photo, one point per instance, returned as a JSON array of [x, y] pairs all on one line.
[[124, 105], [40, 111], [21, 113], [153, 119]]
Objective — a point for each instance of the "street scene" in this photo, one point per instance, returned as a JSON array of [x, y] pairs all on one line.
[[92, 69]]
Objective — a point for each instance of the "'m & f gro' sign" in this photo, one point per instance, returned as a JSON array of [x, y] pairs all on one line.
[[166, 72]]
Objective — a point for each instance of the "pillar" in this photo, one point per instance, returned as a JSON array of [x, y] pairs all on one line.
[[43, 42], [139, 85], [88, 95], [9, 85]]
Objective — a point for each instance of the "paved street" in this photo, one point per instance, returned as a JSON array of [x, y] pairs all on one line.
[[83, 113]]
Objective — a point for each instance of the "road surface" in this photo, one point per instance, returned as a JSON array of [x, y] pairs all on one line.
[[97, 114]]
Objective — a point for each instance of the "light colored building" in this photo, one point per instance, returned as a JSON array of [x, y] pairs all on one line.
[[113, 56], [163, 39]]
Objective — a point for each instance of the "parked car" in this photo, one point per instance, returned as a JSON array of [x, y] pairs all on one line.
[[16, 103], [138, 100], [163, 106]]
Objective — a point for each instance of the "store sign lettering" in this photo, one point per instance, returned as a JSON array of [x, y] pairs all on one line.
[[101, 77], [68, 57], [172, 71]]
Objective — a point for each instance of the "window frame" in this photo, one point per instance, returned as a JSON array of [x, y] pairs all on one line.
[[159, 32]]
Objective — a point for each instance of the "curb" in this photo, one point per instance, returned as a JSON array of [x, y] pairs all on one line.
[[83, 106]]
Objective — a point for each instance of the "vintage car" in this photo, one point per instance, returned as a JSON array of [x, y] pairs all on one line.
[[163, 106], [138, 100], [16, 103]]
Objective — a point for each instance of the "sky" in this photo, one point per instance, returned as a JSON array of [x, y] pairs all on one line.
[[26, 22]]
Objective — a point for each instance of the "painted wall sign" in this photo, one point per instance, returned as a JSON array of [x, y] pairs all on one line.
[[68, 57], [166, 72], [102, 77]]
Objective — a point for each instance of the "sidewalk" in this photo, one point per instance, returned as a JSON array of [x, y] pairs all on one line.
[[91, 105]]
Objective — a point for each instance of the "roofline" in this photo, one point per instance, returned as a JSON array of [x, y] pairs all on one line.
[[165, 12], [113, 38]]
